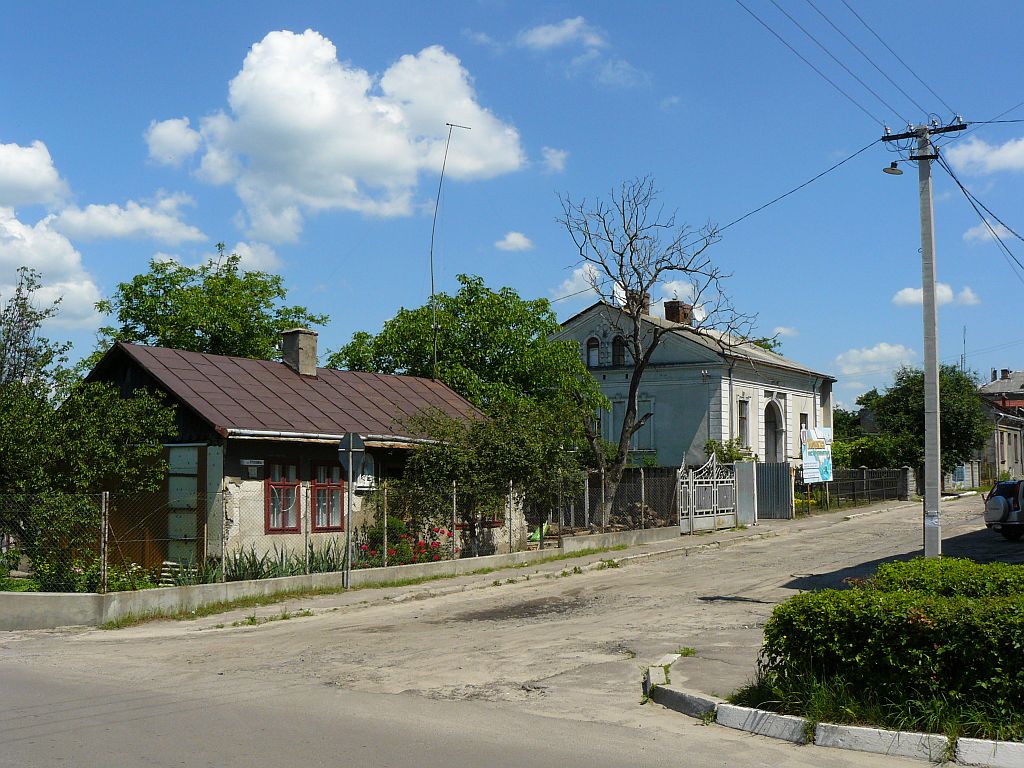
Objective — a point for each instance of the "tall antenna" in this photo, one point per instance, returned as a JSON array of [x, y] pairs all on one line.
[[433, 226], [963, 356]]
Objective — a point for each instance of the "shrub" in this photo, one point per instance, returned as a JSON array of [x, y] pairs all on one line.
[[924, 644]]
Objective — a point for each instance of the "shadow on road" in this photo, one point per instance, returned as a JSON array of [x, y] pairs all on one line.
[[982, 546]]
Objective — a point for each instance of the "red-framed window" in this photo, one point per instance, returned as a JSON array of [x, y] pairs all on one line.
[[327, 491], [282, 507]]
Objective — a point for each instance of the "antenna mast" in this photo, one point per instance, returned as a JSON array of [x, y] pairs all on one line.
[[433, 226]]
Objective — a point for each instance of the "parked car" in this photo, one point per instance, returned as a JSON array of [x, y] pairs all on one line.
[[1003, 509]]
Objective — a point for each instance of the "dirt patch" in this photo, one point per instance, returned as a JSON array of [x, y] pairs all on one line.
[[531, 609]]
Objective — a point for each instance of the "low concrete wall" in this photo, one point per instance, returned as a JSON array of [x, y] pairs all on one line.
[[46, 610], [627, 538]]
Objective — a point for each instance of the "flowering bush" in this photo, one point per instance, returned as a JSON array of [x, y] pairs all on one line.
[[403, 548]]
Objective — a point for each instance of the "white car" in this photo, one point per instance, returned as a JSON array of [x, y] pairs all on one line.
[[1003, 509]]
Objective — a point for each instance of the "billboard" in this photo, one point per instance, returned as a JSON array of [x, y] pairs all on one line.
[[816, 452]]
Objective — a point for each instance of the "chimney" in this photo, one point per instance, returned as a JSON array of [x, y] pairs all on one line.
[[678, 312], [298, 348], [1004, 373], [993, 374], [634, 299]]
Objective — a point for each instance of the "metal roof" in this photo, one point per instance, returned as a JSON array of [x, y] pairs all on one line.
[[239, 395]]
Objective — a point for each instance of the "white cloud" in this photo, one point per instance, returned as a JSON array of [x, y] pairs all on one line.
[[482, 38], [881, 358], [785, 331], [857, 386], [565, 32], [980, 232], [677, 289], [306, 132], [172, 141], [514, 241], [967, 297], [913, 297], [160, 221], [978, 156], [669, 103], [580, 282], [619, 73], [257, 256], [52, 255], [554, 159], [27, 175]]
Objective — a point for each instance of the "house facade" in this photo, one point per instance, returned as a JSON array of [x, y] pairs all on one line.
[[700, 387], [255, 462], [1002, 454]]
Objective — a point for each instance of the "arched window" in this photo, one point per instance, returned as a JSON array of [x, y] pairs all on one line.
[[593, 353], [618, 351]]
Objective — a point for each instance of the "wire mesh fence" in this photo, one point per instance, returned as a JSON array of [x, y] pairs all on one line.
[[849, 488], [281, 527]]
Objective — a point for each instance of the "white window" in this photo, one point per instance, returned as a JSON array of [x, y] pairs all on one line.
[[743, 423]]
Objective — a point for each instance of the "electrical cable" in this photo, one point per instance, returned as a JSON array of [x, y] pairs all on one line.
[[825, 77], [900, 60], [760, 207], [1010, 257], [850, 72], [868, 58]]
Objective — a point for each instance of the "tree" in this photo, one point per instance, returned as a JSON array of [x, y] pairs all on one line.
[[216, 307], [628, 246], [493, 348], [899, 414], [845, 424], [530, 446], [25, 355]]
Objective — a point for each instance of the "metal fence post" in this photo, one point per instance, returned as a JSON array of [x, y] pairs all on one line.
[[643, 501], [586, 500], [604, 509], [305, 526], [510, 517], [223, 536], [385, 551], [455, 515], [104, 527]]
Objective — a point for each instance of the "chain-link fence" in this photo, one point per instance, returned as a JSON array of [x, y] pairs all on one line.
[[265, 529]]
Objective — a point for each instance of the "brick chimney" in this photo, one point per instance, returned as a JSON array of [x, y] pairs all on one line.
[[1004, 373], [634, 299], [298, 349], [993, 374], [678, 312]]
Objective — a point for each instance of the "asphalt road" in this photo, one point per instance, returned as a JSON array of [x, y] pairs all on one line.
[[511, 671]]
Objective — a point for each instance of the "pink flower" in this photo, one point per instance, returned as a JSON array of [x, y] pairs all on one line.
[[435, 544], [373, 552], [364, 547], [437, 557], [391, 551], [436, 530], [449, 534]]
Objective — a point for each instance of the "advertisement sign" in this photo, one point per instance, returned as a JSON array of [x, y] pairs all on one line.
[[816, 451]]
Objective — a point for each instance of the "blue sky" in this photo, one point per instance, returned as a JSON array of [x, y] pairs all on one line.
[[309, 139]]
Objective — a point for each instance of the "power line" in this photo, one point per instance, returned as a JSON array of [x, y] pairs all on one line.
[[867, 58], [760, 207], [1011, 259], [825, 77], [850, 72], [900, 60]]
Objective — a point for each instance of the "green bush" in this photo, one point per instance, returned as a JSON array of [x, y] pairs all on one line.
[[923, 645], [950, 577]]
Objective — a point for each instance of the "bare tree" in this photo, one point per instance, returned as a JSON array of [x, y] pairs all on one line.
[[628, 245]]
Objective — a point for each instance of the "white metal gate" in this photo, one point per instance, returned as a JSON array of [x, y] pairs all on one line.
[[707, 497]]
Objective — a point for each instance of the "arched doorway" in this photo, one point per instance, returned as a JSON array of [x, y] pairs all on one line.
[[774, 433]]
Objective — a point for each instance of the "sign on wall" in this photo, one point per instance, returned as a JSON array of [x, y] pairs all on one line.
[[816, 451]]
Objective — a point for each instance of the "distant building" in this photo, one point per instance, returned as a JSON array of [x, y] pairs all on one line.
[[699, 389], [1003, 452]]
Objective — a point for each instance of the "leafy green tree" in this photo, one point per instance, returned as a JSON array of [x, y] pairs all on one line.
[[216, 307], [25, 355], [845, 424], [899, 414], [534, 447], [728, 451], [493, 348]]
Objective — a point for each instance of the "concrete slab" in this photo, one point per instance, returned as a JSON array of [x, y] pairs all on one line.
[[763, 723], [687, 702], [997, 754], [925, 746]]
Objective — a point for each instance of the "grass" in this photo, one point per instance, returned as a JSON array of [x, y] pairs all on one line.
[[18, 585], [838, 701], [686, 651], [255, 601]]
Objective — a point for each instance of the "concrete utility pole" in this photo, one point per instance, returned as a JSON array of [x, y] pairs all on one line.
[[932, 449]]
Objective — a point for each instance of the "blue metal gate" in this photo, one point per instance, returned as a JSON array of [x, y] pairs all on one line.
[[774, 491]]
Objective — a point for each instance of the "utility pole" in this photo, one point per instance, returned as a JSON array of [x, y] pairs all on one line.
[[932, 449]]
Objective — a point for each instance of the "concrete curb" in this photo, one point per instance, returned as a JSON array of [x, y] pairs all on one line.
[[923, 746]]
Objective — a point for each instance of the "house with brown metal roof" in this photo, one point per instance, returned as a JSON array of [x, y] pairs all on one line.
[[255, 461]]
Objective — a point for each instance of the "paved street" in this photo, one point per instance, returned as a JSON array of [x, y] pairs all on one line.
[[474, 671]]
